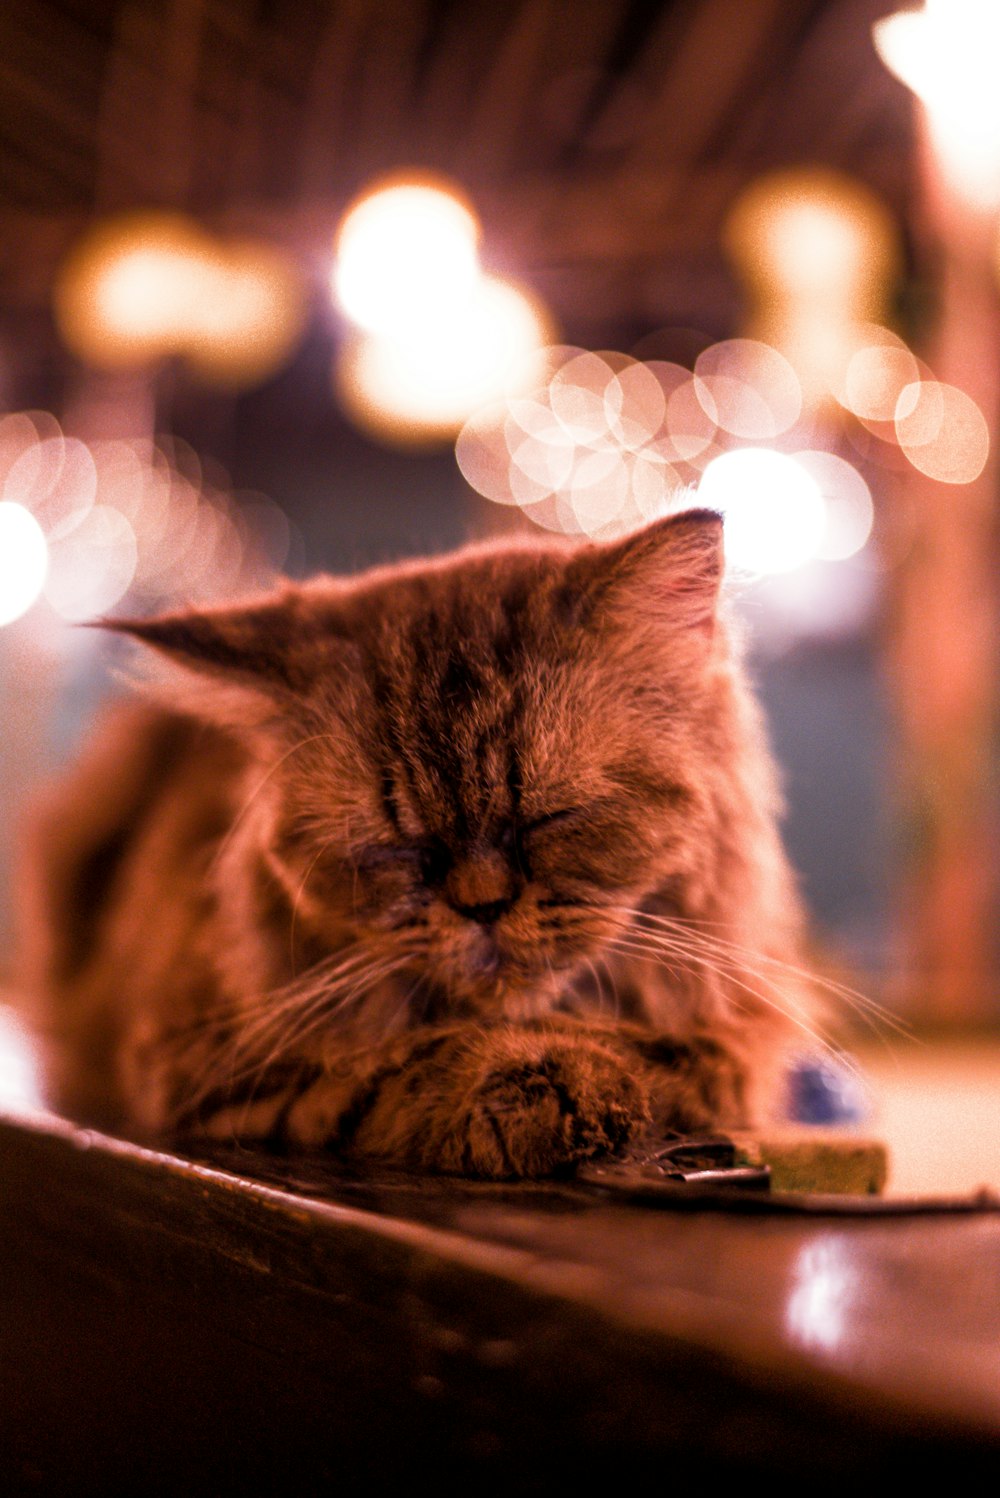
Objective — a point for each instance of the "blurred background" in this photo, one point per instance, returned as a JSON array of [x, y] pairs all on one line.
[[291, 285]]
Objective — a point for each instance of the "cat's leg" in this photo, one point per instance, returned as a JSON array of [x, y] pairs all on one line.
[[501, 1102], [696, 1086], [506, 1102]]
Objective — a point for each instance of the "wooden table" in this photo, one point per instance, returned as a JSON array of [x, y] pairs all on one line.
[[253, 1323]]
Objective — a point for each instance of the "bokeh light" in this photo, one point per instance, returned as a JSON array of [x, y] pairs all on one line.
[[91, 565], [942, 431], [947, 54], [812, 235], [94, 524], [875, 375], [847, 501], [748, 389], [23, 560], [406, 252], [423, 386], [129, 291], [251, 319], [773, 507], [145, 286], [819, 254]]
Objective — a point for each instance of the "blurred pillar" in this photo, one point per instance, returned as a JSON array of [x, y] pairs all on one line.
[[944, 648]]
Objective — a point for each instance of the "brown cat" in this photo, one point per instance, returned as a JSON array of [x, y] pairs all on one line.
[[467, 864]]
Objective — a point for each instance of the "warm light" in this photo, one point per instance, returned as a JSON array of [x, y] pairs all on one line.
[[23, 561], [250, 319], [637, 405], [425, 386], [56, 479], [942, 431], [875, 376], [150, 285], [947, 54], [773, 508], [598, 444], [813, 235], [748, 389], [819, 254], [578, 394], [599, 490], [127, 293], [406, 253], [482, 454], [690, 419]]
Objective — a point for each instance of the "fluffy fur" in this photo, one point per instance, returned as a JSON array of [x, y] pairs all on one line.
[[468, 864]]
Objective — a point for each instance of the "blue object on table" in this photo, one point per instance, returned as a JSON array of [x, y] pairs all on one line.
[[824, 1091]]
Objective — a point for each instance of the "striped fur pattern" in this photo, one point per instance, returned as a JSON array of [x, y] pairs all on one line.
[[467, 865]]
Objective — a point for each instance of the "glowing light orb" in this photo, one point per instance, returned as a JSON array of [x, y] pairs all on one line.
[[405, 252], [56, 479], [636, 404], [875, 378], [578, 396], [249, 317], [23, 560], [942, 431], [482, 454], [148, 285], [423, 387], [774, 512], [599, 490], [91, 568], [947, 54], [691, 419], [125, 293], [748, 389], [814, 236], [847, 499]]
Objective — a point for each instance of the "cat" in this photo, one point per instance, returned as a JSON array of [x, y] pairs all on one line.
[[468, 864]]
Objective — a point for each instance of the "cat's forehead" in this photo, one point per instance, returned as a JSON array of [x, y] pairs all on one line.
[[455, 659], [479, 613]]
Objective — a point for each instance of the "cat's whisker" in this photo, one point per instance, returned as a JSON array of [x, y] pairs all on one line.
[[331, 984], [731, 976], [298, 1034], [866, 1008]]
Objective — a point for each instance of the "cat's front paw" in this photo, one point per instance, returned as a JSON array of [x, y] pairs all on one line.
[[538, 1114]]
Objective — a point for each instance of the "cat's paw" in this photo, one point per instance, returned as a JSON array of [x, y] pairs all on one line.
[[538, 1115]]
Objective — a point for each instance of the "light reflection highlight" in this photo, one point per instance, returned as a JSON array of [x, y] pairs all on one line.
[[23, 561], [823, 1295]]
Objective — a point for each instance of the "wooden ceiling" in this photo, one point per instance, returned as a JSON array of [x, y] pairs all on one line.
[[601, 140]]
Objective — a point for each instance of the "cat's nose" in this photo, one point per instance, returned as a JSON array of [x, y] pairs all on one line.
[[482, 886], [487, 914]]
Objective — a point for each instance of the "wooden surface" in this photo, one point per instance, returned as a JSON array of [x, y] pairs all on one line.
[[183, 1327]]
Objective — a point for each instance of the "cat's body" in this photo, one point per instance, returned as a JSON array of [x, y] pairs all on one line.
[[466, 865]]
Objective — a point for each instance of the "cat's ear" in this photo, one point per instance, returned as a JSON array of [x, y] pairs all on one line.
[[665, 578], [239, 663]]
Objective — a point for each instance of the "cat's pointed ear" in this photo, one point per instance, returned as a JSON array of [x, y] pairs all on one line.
[[666, 577], [239, 662]]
